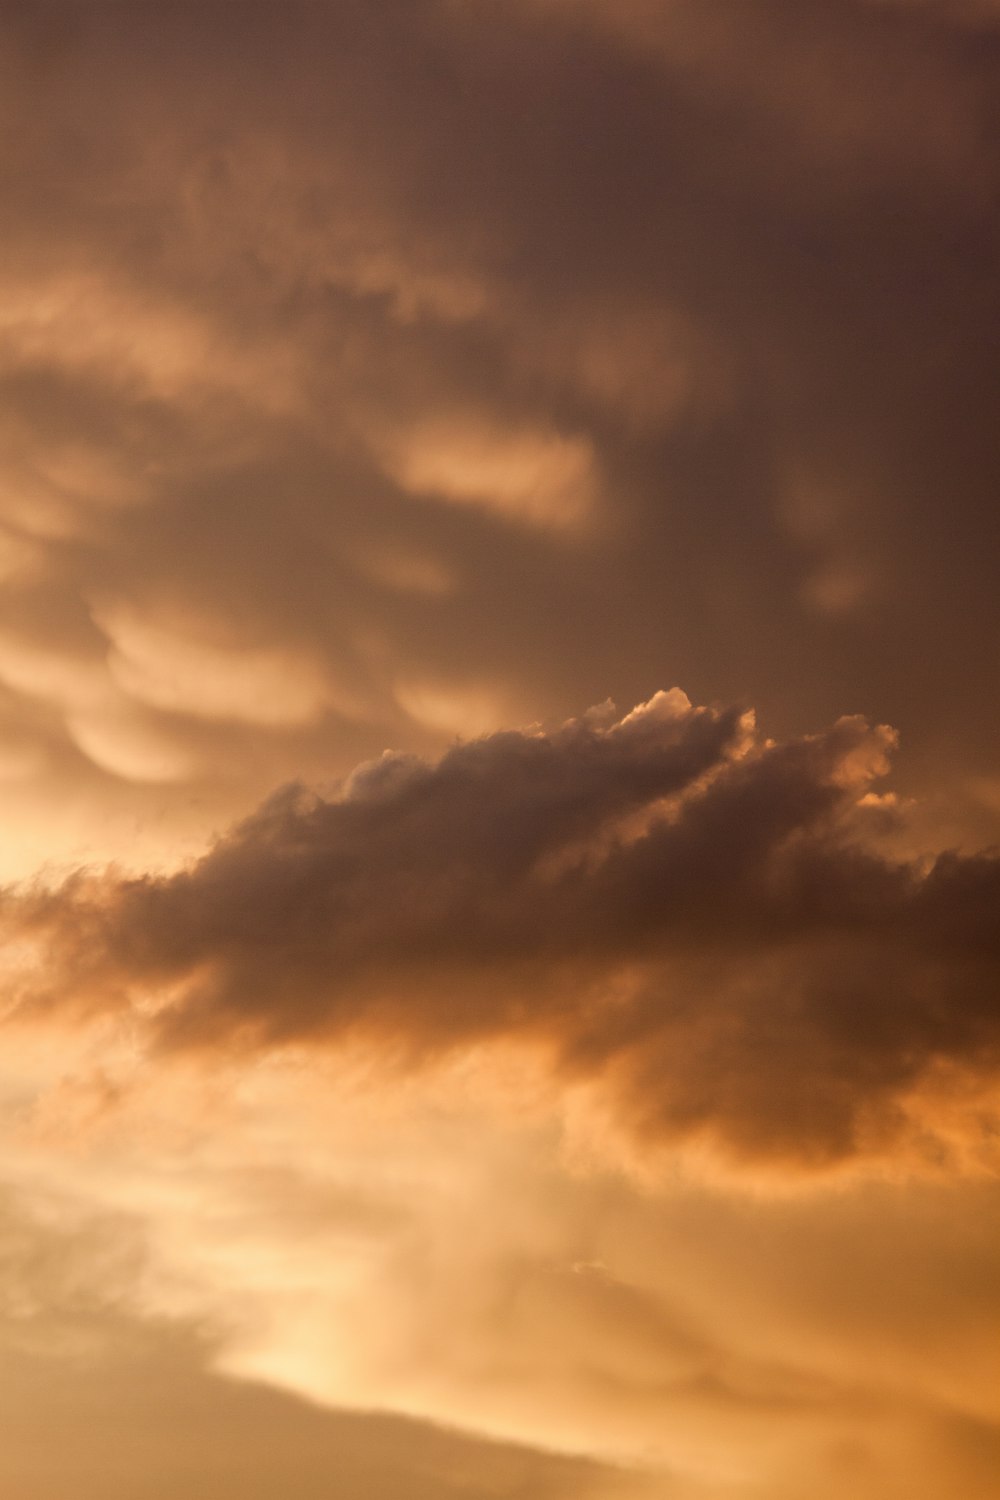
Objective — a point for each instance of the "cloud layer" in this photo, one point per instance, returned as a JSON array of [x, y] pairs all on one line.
[[325, 363], [389, 372]]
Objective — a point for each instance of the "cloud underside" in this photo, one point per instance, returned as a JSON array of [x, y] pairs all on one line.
[[405, 370], [698, 927]]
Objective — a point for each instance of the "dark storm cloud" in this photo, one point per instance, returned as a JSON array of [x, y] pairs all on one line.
[[695, 920]]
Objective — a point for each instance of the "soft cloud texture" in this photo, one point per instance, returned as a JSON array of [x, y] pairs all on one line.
[[692, 918], [414, 1250], [668, 371], [390, 373]]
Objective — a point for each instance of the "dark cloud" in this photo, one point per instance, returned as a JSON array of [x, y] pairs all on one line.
[[719, 277], [694, 919]]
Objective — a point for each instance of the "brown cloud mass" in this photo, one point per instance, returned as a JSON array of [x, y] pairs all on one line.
[[696, 920], [452, 365]]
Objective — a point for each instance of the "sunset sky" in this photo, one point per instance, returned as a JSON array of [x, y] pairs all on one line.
[[499, 778]]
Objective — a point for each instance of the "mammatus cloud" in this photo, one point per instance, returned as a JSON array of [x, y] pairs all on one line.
[[390, 371], [695, 922], [322, 343]]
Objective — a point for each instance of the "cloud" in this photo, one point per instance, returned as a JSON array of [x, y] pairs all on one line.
[[372, 374], [539, 479], [116, 1404], [284, 311], [409, 1250], [693, 923], [171, 669]]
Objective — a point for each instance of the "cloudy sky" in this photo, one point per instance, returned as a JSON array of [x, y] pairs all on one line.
[[499, 648]]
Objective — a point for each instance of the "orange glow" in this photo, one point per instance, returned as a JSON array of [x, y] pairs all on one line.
[[438, 1052]]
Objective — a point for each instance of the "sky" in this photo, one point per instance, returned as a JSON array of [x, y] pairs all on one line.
[[499, 641]]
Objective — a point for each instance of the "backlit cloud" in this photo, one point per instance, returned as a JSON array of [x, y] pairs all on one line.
[[689, 917]]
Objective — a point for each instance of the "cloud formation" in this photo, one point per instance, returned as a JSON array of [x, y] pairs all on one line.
[[388, 372], [316, 350], [696, 921]]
